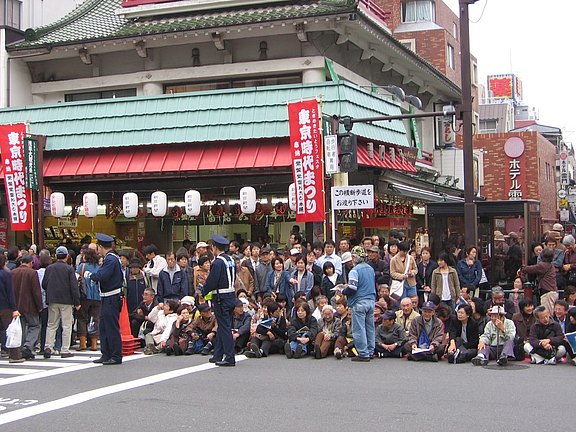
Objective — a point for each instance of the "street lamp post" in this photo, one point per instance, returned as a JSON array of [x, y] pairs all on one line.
[[470, 222]]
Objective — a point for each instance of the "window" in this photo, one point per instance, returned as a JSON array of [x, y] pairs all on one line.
[[109, 94], [450, 57], [409, 43], [488, 126], [418, 11], [10, 13], [237, 83], [455, 30]]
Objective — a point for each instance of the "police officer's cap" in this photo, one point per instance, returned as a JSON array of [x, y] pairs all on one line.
[[220, 241], [104, 239]]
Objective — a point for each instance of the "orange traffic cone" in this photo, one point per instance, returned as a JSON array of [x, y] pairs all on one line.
[[129, 342]]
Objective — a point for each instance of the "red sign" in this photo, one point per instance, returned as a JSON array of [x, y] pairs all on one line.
[[4, 233], [18, 197], [501, 86], [306, 150]]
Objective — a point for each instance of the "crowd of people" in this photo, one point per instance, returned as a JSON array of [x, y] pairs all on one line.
[[364, 300]]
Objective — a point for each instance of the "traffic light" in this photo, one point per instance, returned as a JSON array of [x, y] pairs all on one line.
[[348, 152]]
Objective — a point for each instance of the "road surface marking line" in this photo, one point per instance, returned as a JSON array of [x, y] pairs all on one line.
[[59, 371], [79, 398], [17, 371]]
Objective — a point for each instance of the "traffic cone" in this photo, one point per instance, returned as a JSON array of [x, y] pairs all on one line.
[[129, 342]]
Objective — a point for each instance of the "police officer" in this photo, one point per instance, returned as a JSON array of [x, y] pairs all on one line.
[[220, 282], [110, 277]]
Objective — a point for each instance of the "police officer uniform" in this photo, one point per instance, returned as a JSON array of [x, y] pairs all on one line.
[[110, 278], [220, 282]]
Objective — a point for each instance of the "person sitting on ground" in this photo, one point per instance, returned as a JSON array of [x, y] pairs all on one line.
[[479, 313], [240, 326], [523, 321], [379, 308], [425, 336], [202, 332], [390, 337], [270, 338], [497, 341], [570, 295], [139, 322], [163, 316], [301, 332], [321, 302], [546, 342], [344, 342], [327, 333], [181, 330], [498, 299], [384, 295], [464, 337], [546, 273], [406, 315]]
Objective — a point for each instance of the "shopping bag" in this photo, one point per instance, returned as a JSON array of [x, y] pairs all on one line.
[[14, 334]]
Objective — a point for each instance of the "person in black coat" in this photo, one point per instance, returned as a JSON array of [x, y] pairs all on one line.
[[464, 337], [424, 276]]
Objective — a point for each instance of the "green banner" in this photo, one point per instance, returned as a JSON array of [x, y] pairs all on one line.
[[31, 157]]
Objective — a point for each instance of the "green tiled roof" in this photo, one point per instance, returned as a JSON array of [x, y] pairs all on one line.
[[96, 19], [237, 114]]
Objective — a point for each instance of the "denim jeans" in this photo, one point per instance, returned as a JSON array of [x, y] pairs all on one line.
[[409, 291], [363, 331]]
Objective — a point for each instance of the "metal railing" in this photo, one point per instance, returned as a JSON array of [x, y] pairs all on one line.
[[374, 9]]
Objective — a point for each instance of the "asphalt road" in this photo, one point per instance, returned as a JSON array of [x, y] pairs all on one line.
[[187, 393]]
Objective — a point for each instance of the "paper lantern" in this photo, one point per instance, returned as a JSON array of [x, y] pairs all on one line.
[[292, 196], [130, 205], [192, 200], [159, 204], [248, 200], [90, 201], [57, 204]]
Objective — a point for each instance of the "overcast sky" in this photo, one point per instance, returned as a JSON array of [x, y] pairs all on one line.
[[535, 41]]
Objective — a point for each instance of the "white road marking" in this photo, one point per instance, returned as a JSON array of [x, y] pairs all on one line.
[[59, 371], [49, 364], [79, 398], [17, 371]]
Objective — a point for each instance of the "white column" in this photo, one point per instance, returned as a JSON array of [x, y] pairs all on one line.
[[152, 89], [313, 75]]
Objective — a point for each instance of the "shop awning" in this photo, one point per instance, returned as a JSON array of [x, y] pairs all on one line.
[[168, 159], [398, 164]]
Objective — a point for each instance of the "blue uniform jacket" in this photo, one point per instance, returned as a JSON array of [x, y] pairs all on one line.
[[110, 274], [219, 274]]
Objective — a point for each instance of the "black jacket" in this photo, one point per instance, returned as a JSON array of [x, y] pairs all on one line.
[[424, 278], [61, 285], [471, 332]]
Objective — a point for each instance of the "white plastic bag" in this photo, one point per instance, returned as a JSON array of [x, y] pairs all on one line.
[[14, 334]]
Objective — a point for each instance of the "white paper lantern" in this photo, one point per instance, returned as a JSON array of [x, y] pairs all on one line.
[[192, 200], [90, 201], [159, 204], [248, 200], [57, 204], [130, 205], [292, 196]]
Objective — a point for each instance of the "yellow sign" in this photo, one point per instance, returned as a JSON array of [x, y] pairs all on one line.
[[563, 204]]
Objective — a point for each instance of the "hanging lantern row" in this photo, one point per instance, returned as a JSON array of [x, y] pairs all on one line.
[[159, 202]]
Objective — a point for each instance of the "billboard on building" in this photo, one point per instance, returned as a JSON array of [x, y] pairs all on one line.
[[505, 86]]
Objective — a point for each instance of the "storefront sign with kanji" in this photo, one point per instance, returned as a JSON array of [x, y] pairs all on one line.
[[307, 169], [13, 159]]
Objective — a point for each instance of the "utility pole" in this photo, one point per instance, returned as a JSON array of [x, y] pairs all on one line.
[[470, 220]]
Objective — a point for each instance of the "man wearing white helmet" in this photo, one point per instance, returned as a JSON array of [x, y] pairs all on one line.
[[361, 294]]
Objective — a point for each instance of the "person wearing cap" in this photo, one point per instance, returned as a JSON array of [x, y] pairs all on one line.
[[390, 336], [200, 250], [111, 282], [330, 255], [497, 341], [240, 326], [497, 298], [546, 273], [154, 266], [135, 284], [220, 283], [427, 334], [546, 341], [376, 263], [361, 295], [62, 297], [347, 265], [26, 288], [290, 263]]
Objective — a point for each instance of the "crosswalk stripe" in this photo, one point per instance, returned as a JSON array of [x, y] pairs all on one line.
[[49, 363], [17, 371]]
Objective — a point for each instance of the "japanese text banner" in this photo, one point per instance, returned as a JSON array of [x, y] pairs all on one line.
[[17, 196], [307, 170]]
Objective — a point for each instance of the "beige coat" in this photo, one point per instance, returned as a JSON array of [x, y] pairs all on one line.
[[398, 268]]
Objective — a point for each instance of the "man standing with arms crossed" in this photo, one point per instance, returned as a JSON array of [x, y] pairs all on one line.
[[220, 282], [361, 294], [111, 278]]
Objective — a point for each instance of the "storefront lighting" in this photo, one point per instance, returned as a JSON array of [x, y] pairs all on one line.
[[57, 200], [130, 205], [159, 202], [248, 200], [192, 202]]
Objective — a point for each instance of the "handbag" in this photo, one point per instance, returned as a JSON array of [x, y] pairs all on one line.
[[397, 286], [14, 334], [82, 284], [483, 278], [92, 327]]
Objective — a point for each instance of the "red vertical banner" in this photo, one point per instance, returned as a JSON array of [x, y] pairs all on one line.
[[4, 233], [17, 196], [306, 149]]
